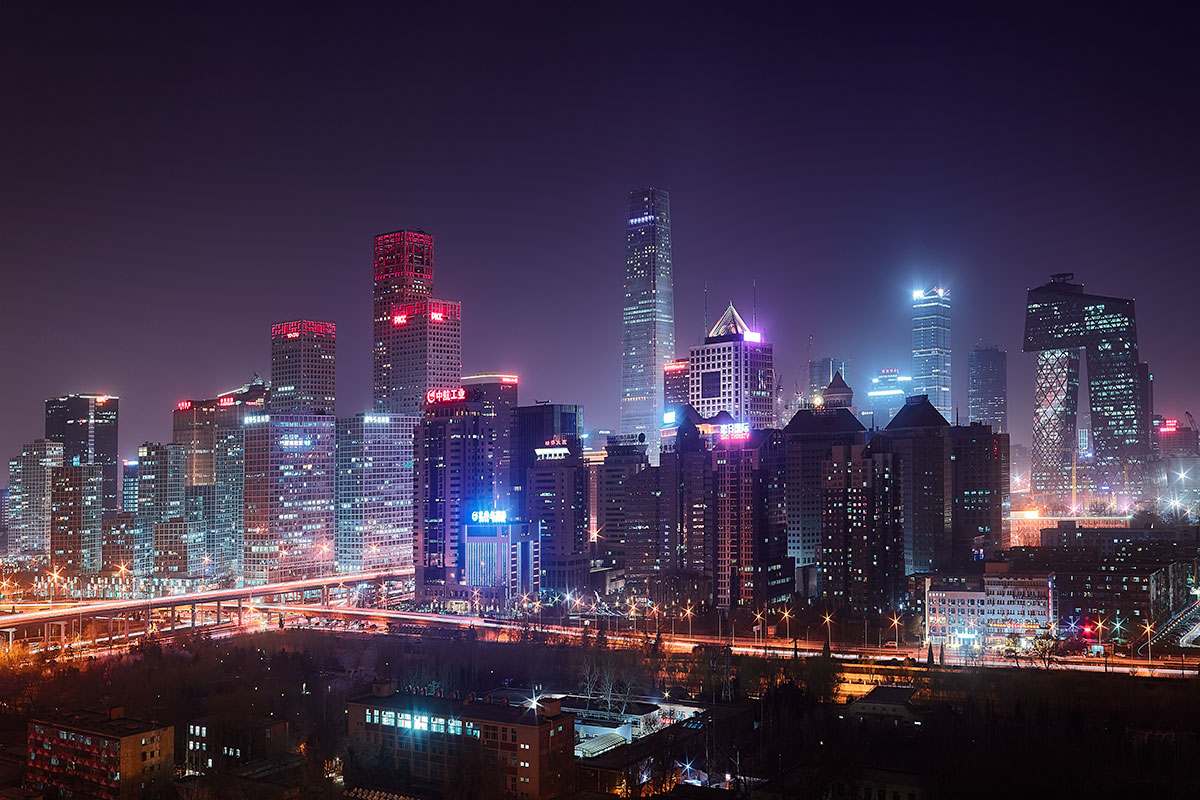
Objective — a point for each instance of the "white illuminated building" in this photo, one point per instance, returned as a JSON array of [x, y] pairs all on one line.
[[733, 371]]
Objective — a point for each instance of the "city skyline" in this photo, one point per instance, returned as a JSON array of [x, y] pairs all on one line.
[[914, 239]]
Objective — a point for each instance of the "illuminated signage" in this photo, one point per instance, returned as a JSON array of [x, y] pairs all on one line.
[[436, 316], [752, 336], [294, 441], [255, 419], [669, 418], [226, 401], [445, 395], [509, 379], [184, 405], [642, 220], [371, 419], [493, 517], [292, 330], [400, 319], [734, 430], [675, 366], [102, 399]]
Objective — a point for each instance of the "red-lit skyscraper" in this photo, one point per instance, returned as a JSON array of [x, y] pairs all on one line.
[[303, 360], [418, 340]]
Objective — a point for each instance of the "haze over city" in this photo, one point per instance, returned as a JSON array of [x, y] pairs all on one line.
[[182, 177]]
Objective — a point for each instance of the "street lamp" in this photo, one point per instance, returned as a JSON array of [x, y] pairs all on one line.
[[829, 629], [758, 629], [896, 625], [687, 612], [1149, 629], [787, 619]]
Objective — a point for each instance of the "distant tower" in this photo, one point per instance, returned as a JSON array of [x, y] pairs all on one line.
[[418, 340], [86, 426], [987, 387], [820, 373], [648, 321], [931, 347], [303, 361]]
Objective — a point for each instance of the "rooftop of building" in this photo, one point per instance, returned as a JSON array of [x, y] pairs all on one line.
[[917, 412], [504, 712], [112, 723], [823, 421], [888, 696]]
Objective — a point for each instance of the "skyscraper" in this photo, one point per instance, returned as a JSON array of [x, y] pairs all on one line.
[[752, 567], [987, 387], [931, 347], [29, 498], [418, 340], [557, 511], [374, 491], [76, 513], [1060, 321], [648, 319], [303, 367], [733, 371], [288, 497], [675, 385], [820, 373], [161, 498], [86, 426], [498, 393], [885, 397], [538, 426]]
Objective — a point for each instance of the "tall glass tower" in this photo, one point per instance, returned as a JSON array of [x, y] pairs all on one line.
[[987, 387], [648, 322], [931, 347], [1061, 320]]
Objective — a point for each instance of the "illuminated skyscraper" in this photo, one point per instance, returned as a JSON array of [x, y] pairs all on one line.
[[885, 397], [418, 340], [498, 393], [374, 491], [75, 535], [648, 320], [987, 387], [931, 347], [29, 498], [303, 367], [161, 496], [86, 426], [288, 497], [1060, 321], [733, 371], [675, 385], [820, 373]]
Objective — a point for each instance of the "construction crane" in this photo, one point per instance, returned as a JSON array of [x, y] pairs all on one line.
[[1192, 421]]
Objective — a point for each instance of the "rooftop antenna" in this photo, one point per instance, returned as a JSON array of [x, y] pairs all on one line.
[[705, 332], [754, 302]]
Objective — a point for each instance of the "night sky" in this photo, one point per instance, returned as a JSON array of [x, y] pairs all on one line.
[[178, 176]]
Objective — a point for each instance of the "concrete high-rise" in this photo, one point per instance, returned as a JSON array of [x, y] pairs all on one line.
[[498, 392], [303, 367], [418, 340], [733, 371], [86, 426], [931, 347], [987, 387], [161, 498], [676, 387], [885, 397], [374, 491], [648, 317], [29, 488], [557, 513]]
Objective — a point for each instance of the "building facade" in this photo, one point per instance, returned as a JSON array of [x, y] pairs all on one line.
[[820, 373], [987, 387], [76, 497], [29, 504], [885, 397], [86, 426], [931, 347], [403, 274], [648, 314], [1060, 321], [733, 371], [375, 472], [303, 367], [288, 496]]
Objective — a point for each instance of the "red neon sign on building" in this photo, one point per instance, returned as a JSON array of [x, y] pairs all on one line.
[[445, 395]]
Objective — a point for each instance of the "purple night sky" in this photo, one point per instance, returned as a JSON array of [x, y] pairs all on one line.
[[178, 176]]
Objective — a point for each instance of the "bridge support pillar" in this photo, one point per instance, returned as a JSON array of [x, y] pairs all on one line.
[[325, 596], [193, 615], [171, 611], [11, 633], [46, 636], [218, 620], [239, 612]]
